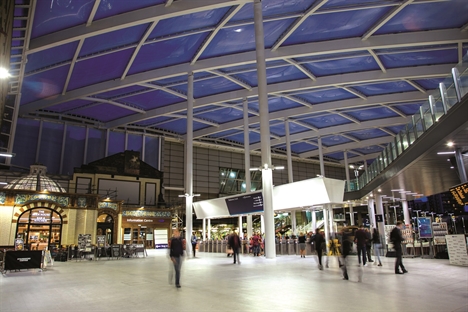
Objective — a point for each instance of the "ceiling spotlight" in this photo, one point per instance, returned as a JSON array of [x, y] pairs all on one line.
[[4, 73], [452, 167], [450, 143], [379, 190]]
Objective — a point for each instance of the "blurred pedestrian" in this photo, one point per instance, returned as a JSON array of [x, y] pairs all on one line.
[[320, 245], [360, 238], [397, 238], [301, 240], [176, 253], [193, 240], [234, 242], [377, 245]]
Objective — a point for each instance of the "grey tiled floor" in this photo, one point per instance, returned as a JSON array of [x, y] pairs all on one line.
[[211, 282]]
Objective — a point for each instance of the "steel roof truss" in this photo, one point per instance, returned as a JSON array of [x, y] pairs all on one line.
[[93, 12]]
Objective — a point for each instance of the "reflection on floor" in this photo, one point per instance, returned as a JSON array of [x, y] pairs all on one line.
[[211, 282]]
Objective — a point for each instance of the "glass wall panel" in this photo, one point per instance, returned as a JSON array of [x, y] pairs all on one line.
[[51, 146], [25, 149], [116, 143], [74, 147], [96, 145]]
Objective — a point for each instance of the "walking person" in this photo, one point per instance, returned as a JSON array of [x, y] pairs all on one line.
[[256, 244], [368, 245], [319, 242], [234, 242], [176, 253], [193, 240], [397, 238], [346, 246], [360, 238], [377, 245], [301, 240]]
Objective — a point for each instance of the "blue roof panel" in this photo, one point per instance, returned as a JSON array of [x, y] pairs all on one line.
[[179, 126], [166, 53], [272, 8], [151, 100], [384, 88], [222, 115], [427, 16], [49, 57], [112, 40], [429, 84], [112, 112], [372, 113], [302, 147], [188, 22], [120, 92], [409, 108], [333, 140], [367, 134], [332, 26], [274, 75], [351, 3], [225, 133], [44, 84], [241, 39], [275, 104], [395, 129], [326, 120], [346, 65], [420, 58], [113, 7], [369, 149], [52, 16], [328, 95], [211, 86], [67, 106], [103, 68]]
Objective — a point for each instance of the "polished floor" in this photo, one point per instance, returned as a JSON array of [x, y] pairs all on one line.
[[211, 282]]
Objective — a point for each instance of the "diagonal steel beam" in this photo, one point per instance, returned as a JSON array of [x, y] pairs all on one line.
[[230, 14], [135, 109], [377, 60], [230, 78], [394, 109], [168, 3], [304, 70], [415, 85], [385, 19], [93, 12], [346, 116], [72, 66], [355, 92], [165, 89], [297, 23], [387, 131], [361, 158]]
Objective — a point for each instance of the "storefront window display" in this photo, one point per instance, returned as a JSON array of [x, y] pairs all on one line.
[[40, 228]]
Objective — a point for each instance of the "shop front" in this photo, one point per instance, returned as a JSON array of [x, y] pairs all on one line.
[[149, 228]]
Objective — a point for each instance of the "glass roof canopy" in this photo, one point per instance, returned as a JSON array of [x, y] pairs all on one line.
[[351, 72]]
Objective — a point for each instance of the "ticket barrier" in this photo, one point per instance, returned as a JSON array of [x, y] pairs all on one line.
[[284, 246], [291, 247]]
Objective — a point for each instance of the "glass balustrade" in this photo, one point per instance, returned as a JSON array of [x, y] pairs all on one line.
[[453, 88]]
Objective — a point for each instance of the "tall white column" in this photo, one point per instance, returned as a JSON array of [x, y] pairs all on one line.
[[264, 116], [380, 211], [288, 152], [262, 224], [241, 233], [351, 213], [209, 229], [404, 204], [348, 185], [204, 230], [314, 220], [293, 222], [249, 226], [325, 224], [189, 166], [370, 208], [322, 165], [248, 182], [331, 219]]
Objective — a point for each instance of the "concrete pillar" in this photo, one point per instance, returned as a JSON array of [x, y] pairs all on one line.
[[380, 211], [249, 226], [189, 167], [262, 224], [406, 214], [241, 233], [314, 220], [370, 208], [204, 230], [351, 214], [264, 116], [293, 222], [288, 152], [322, 165], [348, 185], [209, 228]]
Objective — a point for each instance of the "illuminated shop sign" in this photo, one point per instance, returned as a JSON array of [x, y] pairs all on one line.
[[144, 213], [40, 216]]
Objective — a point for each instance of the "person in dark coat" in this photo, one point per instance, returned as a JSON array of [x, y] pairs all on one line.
[[235, 243], [397, 238], [346, 248], [360, 238], [176, 253], [320, 245], [368, 245]]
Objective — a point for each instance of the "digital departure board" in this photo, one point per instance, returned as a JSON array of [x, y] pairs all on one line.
[[460, 193], [244, 204]]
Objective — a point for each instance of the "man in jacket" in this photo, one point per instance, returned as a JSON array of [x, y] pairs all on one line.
[[397, 238], [360, 238]]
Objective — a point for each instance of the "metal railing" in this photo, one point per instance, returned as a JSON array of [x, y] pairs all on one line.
[[450, 93]]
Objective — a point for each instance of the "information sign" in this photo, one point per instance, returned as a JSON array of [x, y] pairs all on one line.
[[101, 241], [460, 193], [425, 227], [244, 204]]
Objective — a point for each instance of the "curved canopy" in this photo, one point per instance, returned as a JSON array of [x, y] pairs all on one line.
[[350, 72]]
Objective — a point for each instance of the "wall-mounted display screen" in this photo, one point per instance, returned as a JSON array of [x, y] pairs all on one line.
[[245, 204], [460, 193], [425, 227]]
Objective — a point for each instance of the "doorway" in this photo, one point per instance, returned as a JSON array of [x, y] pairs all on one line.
[[40, 229], [105, 226]]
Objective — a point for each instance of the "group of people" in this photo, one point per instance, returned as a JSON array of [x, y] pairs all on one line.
[[362, 238]]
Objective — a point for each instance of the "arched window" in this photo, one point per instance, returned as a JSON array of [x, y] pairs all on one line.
[[40, 228]]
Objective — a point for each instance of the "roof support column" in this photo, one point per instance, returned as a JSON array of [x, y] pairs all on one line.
[[39, 139], [460, 165], [322, 165], [404, 205], [189, 166], [204, 231], [288, 151], [208, 226], [85, 152], [351, 214], [248, 182], [241, 233], [370, 209], [380, 211], [62, 153], [267, 175], [348, 184]]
